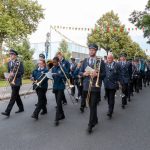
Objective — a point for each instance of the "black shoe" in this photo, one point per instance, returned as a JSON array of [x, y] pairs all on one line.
[[5, 114], [109, 115], [129, 100], [62, 117], [35, 117], [56, 122], [64, 103], [123, 106], [89, 130], [36, 104], [105, 97], [43, 112], [82, 109], [77, 99], [19, 111]]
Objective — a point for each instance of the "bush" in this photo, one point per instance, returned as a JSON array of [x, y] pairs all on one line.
[[3, 69], [29, 66]]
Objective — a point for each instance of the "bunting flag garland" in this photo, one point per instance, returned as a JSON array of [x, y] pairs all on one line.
[[105, 28], [67, 38]]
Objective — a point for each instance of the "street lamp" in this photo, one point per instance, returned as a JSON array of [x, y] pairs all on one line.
[[47, 44]]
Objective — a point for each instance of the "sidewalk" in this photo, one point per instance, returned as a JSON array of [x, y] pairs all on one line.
[[6, 93]]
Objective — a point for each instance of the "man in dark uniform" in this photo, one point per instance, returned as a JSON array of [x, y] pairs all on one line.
[[111, 82], [125, 76], [66, 66], [135, 75], [148, 72], [73, 66], [142, 66], [91, 92], [16, 71]]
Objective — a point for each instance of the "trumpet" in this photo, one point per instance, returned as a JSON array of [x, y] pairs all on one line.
[[68, 81]]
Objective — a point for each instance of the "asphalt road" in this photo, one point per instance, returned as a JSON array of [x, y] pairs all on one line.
[[128, 130]]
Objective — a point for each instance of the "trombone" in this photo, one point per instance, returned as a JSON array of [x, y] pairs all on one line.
[[68, 81], [8, 77], [97, 67], [14, 79]]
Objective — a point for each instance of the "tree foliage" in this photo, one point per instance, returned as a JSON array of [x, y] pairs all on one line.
[[110, 35], [63, 47], [141, 19], [18, 19]]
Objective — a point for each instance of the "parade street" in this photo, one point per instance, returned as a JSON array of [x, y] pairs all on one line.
[[129, 129]]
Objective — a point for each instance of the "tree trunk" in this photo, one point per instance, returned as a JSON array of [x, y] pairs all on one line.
[[1, 43]]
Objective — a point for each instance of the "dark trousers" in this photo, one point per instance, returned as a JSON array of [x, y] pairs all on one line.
[[64, 98], [15, 97], [140, 82], [72, 81], [93, 120], [136, 84], [42, 100], [111, 99], [80, 88], [125, 93], [59, 109]]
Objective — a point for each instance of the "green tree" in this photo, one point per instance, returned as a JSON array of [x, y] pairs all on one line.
[[63, 47], [109, 33], [141, 19], [18, 19], [25, 53]]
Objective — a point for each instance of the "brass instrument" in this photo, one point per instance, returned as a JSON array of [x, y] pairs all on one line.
[[37, 84], [80, 80], [68, 81], [14, 79], [10, 80], [69, 84], [96, 67]]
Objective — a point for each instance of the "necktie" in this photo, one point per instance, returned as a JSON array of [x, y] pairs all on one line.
[[92, 61]]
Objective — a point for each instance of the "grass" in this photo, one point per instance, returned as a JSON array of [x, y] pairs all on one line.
[[24, 81]]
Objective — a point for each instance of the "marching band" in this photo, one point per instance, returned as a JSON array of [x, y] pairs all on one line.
[[85, 77]]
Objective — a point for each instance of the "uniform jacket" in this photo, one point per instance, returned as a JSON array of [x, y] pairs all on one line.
[[112, 76], [73, 67], [40, 72], [59, 78], [125, 72], [11, 65], [86, 80], [66, 66]]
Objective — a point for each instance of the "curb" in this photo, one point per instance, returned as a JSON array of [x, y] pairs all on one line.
[[21, 94]]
